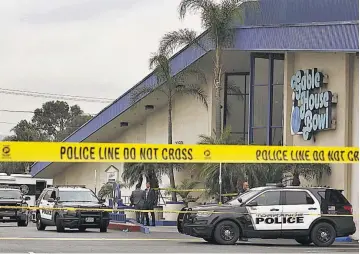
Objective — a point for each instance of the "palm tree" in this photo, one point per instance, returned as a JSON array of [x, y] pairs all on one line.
[[172, 86], [182, 191], [135, 173], [218, 21], [210, 171], [309, 171]]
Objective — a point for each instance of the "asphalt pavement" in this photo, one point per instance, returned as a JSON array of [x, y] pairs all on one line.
[[14, 239]]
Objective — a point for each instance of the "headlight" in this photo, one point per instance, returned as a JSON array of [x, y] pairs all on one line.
[[204, 213]]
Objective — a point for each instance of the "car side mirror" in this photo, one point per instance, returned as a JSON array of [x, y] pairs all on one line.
[[240, 200], [252, 203], [51, 200], [26, 198]]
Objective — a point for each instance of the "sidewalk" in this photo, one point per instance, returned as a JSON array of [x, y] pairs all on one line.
[[163, 229]]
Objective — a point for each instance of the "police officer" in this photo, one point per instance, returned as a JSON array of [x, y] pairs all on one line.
[[137, 199]]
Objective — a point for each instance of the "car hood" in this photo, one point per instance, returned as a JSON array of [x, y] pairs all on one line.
[[212, 207], [82, 205]]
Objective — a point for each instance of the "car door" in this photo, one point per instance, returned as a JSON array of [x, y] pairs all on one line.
[[44, 205], [300, 209], [265, 210]]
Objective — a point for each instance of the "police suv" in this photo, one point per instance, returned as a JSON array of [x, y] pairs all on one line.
[[308, 215], [13, 206], [70, 207]]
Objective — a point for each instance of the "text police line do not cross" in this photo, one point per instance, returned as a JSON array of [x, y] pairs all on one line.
[[126, 153], [306, 155]]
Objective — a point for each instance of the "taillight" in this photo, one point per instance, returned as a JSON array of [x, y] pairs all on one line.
[[348, 208]]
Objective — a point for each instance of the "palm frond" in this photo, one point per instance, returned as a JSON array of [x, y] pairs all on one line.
[[174, 40], [193, 6], [193, 90], [140, 92]]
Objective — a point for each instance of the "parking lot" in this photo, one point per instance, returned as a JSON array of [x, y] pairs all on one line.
[[28, 240]]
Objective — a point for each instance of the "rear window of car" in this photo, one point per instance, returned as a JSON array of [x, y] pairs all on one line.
[[333, 197]]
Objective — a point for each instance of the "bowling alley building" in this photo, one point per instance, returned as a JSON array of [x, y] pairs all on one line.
[[296, 64]]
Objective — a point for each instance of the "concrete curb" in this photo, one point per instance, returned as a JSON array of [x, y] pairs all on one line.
[[143, 229]]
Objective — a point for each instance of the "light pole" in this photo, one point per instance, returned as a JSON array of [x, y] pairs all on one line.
[[220, 182]]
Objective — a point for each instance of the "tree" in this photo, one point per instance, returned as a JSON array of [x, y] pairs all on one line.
[[57, 120], [230, 172], [218, 21], [54, 121], [309, 171], [183, 191], [134, 173], [172, 86]]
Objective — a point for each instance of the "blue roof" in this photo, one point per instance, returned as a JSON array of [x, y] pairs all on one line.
[[319, 25]]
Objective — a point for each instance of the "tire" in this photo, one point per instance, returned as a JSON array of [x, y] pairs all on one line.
[[59, 227], [226, 233], [323, 234], [82, 229], [304, 240], [103, 229], [39, 225], [209, 240]]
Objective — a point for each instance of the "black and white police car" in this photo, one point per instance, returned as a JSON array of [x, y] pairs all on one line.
[[70, 207], [308, 215]]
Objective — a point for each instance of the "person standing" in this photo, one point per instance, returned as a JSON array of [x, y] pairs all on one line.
[[137, 199], [241, 190], [150, 203], [244, 188]]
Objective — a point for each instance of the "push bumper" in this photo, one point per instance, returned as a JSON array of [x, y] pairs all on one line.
[[12, 216], [202, 231], [76, 222]]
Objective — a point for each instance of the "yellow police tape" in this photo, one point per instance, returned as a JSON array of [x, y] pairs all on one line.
[[120, 152], [180, 190], [34, 208]]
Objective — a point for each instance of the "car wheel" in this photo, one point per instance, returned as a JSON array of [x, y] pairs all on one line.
[[39, 224], [226, 233], [82, 229], [323, 234], [59, 227], [209, 240], [103, 229], [304, 240]]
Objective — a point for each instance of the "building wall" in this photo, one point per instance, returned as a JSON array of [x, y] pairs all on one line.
[[355, 142], [342, 70]]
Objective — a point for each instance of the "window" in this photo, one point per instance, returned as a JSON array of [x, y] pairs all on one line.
[[298, 198], [76, 196], [268, 198], [334, 196], [47, 195], [236, 100], [266, 99]]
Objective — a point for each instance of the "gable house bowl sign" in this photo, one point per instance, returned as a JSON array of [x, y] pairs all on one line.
[[312, 107]]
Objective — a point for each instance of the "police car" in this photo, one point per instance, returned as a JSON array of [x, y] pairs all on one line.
[[13, 206], [308, 215], [55, 209]]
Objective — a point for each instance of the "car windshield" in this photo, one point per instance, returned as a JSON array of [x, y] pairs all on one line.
[[244, 197], [77, 196], [10, 194]]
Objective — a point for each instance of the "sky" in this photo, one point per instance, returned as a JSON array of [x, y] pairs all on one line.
[[94, 48]]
